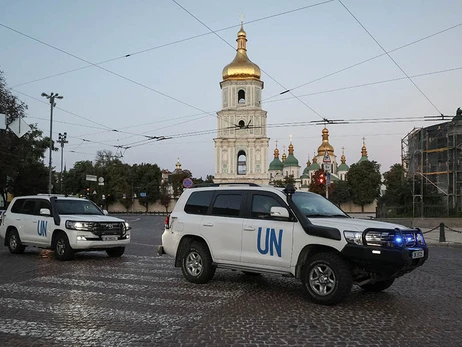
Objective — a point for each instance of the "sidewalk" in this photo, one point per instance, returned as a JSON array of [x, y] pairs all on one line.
[[453, 237]]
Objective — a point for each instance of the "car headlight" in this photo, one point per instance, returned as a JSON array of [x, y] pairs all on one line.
[[354, 237], [76, 225], [127, 226]]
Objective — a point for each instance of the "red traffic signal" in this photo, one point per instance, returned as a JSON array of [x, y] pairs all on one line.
[[321, 178]]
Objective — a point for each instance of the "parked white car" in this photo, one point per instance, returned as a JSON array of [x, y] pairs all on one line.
[[63, 224], [269, 230]]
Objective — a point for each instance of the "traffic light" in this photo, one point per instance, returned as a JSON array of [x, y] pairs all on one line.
[[321, 178], [88, 190]]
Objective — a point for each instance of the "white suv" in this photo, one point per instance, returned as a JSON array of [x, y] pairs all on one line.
[[269, 230], [64, 224]]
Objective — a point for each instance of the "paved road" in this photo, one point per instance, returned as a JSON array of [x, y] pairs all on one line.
[[141, 300]]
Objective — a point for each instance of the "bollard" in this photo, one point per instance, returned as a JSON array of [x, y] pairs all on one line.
[[442, 234]]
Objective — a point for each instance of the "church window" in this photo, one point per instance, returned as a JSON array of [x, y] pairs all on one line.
[[241, 124], [241, 163], [241, 96]]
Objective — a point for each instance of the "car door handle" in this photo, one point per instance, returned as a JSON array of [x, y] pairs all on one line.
[[207, 224], [35, 222], [249, 228]]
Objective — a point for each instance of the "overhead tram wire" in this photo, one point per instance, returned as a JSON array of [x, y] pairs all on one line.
[[365, 61], [104, 69], [173, 43], [393, 60], [367, 84], [221, 38]]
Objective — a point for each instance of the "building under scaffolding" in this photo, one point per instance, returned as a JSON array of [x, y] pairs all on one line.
[[432, 158]]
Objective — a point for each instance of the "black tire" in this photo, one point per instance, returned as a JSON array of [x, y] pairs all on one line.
[[14, 242], [62, 248], [326, 278], [378, 286], [115, 252], [250, 273], [196, 263]]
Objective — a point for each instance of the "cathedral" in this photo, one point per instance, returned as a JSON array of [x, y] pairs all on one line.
[[241, 145]]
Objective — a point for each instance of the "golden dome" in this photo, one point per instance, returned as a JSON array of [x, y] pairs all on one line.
[[241, 68], [284, 157], [325, 145], [363, 148], [276, 153]]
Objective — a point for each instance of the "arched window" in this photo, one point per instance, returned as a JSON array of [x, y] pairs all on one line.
[[241, 96], [241, 163]]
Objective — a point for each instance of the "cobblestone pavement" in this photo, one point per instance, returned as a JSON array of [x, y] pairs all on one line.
[[142, 300]]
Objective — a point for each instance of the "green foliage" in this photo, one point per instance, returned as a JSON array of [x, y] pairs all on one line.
[[147, 179], [165, 197], [22, 170], [399, 190], [364, 180], [340, 193], [176, 180]]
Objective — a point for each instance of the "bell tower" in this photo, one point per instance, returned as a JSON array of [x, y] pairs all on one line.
[[241, 145]]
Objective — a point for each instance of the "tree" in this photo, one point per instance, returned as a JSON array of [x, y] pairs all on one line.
[[398, 192], [148, 180], [364, 180], [74, 180], [176, 180], [165, 197], [340, 193], [318, 183], [22, 170]]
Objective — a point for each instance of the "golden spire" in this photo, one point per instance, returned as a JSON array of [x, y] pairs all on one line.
[[241, 68], [363, 148], [315, 159], [325, 145], [291, 147], [178, 164], [276, 151], [284, 155], [308, 163], [343, 159]]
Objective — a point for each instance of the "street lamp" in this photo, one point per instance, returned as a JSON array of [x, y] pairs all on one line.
[[52, 98], [62, 139]]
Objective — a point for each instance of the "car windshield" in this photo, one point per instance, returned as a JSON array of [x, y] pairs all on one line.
[[314, 205], [69, 206]]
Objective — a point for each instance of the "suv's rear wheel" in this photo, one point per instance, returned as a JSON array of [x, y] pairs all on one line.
[[115, 252], [326, 278], [378, 286], [14, 242], [196, 263], [62, 248]]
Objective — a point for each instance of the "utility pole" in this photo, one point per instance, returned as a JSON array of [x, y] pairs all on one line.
[[62, 139], [52, 98]]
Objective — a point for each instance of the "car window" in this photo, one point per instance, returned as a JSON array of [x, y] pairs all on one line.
[[227, 205], [28, 207], [17, 205], [261, 206], [77, 207], [44, 204], [314, 205], [198, 202]]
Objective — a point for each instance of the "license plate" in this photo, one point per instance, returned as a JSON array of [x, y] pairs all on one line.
[[109, 238], [418, 254]]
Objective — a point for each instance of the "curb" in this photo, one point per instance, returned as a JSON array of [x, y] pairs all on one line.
[[444, 244]]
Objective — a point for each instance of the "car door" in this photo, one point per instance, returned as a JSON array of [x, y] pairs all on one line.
[[266, 240], [42, 223], [222, 226], [26, 221]]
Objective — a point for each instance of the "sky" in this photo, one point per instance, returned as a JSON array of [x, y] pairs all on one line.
[[133, 70]]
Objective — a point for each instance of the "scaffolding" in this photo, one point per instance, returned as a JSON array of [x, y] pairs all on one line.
[[432, 158]]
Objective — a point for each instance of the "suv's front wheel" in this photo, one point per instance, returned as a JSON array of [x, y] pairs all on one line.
[[62, 247], [115, 252], [326, 278], [196, 263]]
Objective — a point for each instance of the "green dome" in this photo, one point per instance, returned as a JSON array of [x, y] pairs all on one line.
[[276, 165], [363, 158], [291, 161], [314, 167], [343, 167]]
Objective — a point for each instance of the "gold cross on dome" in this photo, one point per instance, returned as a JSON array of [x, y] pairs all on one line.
[[242, 18], [276, 143], [364, 141]]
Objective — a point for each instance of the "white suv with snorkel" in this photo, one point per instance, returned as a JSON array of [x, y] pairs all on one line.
[[259, 229]]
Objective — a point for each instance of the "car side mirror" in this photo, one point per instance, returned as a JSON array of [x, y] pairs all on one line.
[[105, 212], [279, 212], [45, 212]]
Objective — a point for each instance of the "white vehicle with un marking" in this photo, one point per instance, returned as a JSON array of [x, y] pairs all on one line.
[[63, 224], [303, 235]]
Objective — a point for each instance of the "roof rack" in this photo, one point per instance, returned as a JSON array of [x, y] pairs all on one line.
[[200, 185]]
